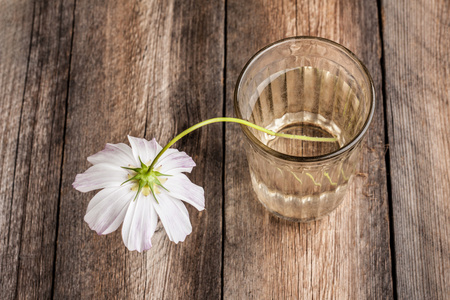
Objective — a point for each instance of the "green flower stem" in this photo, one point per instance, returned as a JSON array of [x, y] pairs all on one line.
[[240, 121]]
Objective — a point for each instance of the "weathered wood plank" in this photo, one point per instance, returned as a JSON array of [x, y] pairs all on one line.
[[33, 91], [417, 59], [346, 255], [16, 22], [144, 68]]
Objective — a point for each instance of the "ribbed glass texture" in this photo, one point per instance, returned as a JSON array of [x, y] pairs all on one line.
[[305, 86]]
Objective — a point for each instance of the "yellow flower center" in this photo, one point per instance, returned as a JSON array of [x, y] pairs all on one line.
[[146, 190]]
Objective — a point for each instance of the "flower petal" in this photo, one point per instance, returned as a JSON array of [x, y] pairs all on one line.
[[100, 176], [174, 217], [139, 224], [143, 149], [175, 163], [180, 187], [117, 154], [107, 209]]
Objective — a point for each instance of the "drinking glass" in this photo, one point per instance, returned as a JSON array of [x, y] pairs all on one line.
[[304, 86]]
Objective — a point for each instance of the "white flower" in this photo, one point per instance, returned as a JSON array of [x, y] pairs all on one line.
[[133, 202]]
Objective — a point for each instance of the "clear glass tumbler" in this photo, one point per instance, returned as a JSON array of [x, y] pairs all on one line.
[[304, 86]]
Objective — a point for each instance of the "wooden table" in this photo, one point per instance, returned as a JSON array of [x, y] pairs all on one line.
[[76, 74]]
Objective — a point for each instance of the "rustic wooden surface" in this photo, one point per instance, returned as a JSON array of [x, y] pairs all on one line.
[[134, 72], [417, 68], [75, 75], [345, 255]]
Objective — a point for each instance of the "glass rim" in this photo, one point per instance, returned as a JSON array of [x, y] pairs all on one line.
[[255, 141]]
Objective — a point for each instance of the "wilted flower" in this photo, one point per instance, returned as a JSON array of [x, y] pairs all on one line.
[[136, 195], [146, 181]]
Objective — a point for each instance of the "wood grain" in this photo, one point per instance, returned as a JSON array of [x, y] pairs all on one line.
[[35, 62], [16, 22], [417, 60], [75, 75], [144, 68], [346, 255]]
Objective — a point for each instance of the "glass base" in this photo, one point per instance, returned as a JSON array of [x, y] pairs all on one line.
[[299, 208]]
